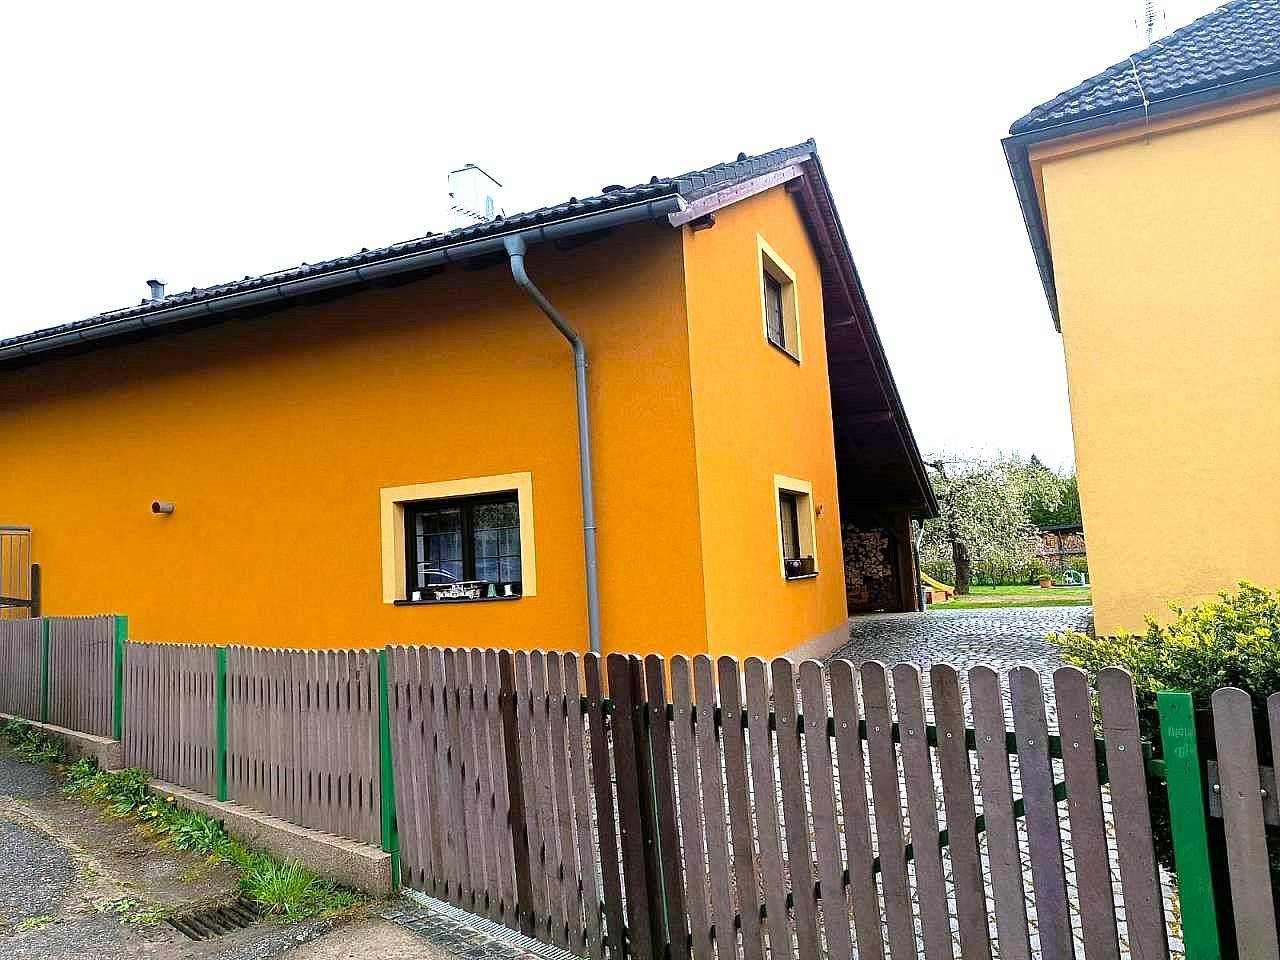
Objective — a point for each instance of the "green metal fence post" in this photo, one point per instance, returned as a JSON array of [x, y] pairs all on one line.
[[220, 699], [1188, 817], [386, 772], [117, 664], [44, 669]]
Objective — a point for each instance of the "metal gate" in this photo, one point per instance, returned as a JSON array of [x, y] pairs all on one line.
[[19, 577]]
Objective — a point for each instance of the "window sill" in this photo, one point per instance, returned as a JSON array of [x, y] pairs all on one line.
[[785, 352], [801, 576], [453, 603]]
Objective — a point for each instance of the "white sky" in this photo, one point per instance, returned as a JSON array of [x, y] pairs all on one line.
[[209, 142]]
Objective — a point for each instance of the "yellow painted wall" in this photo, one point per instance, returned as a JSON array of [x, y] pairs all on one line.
[[758, 413], [273, 437], [1166, 250]]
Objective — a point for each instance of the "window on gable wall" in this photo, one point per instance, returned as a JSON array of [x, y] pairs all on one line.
[[778, 299]]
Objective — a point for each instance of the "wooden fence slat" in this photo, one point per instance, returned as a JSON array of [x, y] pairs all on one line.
[[961, 813], [409, 796], [627, 724], [648, 807], [826, 837], [883, 762], [795, 814], [443, 840], [503, 825], [470, 797], [1139, 872], [602, 785], [922, 812], [846, 713], [457, 779], [582, 809], [528, 768], [1044, 838], [554, 921], [568, 866], [1005, 861], [692, 827], [1084, 807], [716, 814], [667, 833], [484, 788], [426, 787], [349, 778], [1241, 798], [773, 869], [738, 792], [373, 763]]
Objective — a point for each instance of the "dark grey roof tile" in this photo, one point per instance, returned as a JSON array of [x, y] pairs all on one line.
[[1237, 41]]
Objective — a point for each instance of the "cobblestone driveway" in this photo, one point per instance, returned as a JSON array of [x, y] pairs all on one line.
[[1002, 638]]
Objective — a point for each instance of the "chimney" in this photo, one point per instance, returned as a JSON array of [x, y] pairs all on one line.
[[157, 289]]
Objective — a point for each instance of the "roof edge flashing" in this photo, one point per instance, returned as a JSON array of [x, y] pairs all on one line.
[[286, 290]]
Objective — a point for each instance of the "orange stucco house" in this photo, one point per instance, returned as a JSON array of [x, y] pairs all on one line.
[[389, 447]]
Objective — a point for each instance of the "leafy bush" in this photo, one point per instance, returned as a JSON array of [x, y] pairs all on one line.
[[1078, 564], [1231, 641]]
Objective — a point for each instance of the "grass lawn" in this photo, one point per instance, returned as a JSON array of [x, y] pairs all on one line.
[[1022, 596]]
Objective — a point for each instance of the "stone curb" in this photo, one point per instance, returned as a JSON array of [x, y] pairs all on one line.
[[348, 862], [107, 752]]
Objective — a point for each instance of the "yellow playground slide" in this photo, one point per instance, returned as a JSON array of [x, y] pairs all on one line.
[[938, 592]]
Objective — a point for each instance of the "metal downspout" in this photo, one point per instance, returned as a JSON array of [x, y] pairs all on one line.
[[516, 248]]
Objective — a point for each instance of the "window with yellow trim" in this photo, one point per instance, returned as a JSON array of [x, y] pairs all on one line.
[[796, 533], [458, 540], [778, 300]]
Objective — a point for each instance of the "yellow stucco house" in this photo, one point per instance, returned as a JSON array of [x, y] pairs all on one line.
[[636, 420], [1151, 194]]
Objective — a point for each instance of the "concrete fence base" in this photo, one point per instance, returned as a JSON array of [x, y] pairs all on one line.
[[352, 864], [108, 753]]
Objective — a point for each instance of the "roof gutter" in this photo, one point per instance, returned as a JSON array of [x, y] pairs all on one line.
[[289, 290]]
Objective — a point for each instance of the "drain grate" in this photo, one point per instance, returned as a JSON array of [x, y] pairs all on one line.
[[215, 921]]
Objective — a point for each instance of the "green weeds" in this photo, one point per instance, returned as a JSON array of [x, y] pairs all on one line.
[[30, 744], [35, 923], [286, 890]]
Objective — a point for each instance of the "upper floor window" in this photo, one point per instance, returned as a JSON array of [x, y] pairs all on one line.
[[778, 299]]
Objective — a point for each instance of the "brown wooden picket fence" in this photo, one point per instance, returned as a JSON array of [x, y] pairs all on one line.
[[169, 726], [81, 682], [301, 729], [710, 811], [302, 737], [20, 655]]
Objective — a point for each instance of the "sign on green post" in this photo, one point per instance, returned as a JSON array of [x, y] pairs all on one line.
[[386, 772], [1188, 817]]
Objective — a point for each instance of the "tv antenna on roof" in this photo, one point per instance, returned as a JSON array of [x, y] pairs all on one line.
[[1152, 23]]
